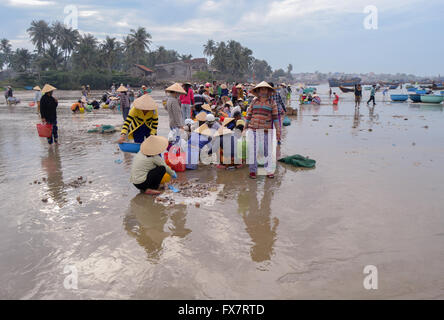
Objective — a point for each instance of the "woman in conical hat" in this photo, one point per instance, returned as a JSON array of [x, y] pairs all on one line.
[[262, 117], [174, 109], [149, 169], [142, 120], [48, 111], [37, 97]]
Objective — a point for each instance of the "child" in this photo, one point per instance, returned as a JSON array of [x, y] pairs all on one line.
[[336, 100], [149, 169]]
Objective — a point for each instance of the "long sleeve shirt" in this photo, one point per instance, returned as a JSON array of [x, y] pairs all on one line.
[[278, 99], [136, 119], [48, 108], [143, 164], [174, 112], [262, 115], [124, 101], [188, 98]]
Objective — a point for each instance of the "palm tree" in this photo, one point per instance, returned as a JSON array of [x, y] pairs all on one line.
[[66, 38], [40, 34], [138, 41], [21, 60], [209, 48], [52, 58], [110, 49], [186, 57], [5, 52], [86, 53]]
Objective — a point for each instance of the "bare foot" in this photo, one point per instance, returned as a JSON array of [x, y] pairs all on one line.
[[152, 192]]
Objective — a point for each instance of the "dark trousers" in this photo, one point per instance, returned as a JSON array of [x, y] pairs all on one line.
[[141, 133], [55, 135], [372, 98], [125, 112], [153, 179]]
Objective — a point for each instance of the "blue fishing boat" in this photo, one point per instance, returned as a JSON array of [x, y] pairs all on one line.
[[430, 98], [28, 88], [394, 86], [343, 82], [421, 91], [412, 89], [399, 97], [415, 97]]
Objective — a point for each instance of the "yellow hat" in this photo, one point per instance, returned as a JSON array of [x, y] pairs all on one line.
[[204, 130], [207, 107], [122, 89], [176, 88], [154, 145], [36, 88], [202, 116], [222, 131], [48, 88], [145, 102]]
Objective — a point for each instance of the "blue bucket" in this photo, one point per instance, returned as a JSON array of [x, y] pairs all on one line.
[[130, 147]]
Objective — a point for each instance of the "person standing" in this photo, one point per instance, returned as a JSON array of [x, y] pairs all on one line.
[[48, 111], [173, 108], [37, 97], [8, 94], [234, 93], [124, 101], [329, 92], [281, 106], [372, 95], [187, 100], [358, 95], [262, 114]]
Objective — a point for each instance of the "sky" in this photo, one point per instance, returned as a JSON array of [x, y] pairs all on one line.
[[312, 35]]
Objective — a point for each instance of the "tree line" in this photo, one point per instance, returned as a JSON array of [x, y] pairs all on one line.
[[65, 57]]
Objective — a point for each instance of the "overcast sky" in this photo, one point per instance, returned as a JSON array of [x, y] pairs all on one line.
[[312, 35]]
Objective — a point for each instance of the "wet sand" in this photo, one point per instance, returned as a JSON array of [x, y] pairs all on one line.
[[374, 198]]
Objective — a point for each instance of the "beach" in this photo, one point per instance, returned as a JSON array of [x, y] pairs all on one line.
[[374, 198]]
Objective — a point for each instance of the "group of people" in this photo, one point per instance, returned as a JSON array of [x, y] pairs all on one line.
[[209, 118]]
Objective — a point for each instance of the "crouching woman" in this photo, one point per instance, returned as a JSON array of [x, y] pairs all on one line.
[[149, 170]]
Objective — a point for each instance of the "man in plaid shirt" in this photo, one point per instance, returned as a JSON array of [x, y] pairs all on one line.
[[280, 104]]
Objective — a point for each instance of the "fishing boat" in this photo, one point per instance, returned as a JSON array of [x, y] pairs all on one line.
[[368, 88], [313, 84], [28, 88], [393, 86], [431, 98], [343, 82], [421, 91], [309, 90], [399, 97], [346, 90], [411, 89], [415, 97]]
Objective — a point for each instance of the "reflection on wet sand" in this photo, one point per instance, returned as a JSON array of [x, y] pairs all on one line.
[[53, 167], [146, 222], [356, 119], [259, 225]]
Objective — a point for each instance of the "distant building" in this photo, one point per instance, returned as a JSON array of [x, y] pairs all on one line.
[[140, 71], [180, 70]]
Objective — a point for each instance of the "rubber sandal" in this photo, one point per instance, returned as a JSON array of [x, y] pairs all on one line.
[[253, 175]]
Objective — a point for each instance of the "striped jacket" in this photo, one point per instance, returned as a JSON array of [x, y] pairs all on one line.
[[136, 119], [262, 115]]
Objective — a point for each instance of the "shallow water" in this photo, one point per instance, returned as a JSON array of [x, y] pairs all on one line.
[[375, 198]]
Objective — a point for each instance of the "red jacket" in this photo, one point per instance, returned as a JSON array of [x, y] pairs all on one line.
[[187, 99]]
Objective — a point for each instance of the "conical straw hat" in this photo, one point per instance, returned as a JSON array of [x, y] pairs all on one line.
[[204, 130], [145, 102], [202, 116], [224, 86], [227, 121], [222, 131], [154, 145], [48, 88], [176, 88], [229, 102], [263, 84], [37, 88], [122, 89], [239, 86], [207, 107]]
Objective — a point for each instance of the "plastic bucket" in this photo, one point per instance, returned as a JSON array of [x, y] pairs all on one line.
[[44, 130], [130, 147]]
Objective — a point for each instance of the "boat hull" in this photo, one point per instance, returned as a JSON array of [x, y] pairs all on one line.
[[432, 99], [415, 97], [343, 83], [399, 97], [346, 90]]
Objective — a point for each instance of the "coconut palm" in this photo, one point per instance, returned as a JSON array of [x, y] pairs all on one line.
[[86, 53], [110, 49], [21, 60], [40, 34], [66, 38], [53, 58], [5, 52], [209, 48], [139, 41]]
